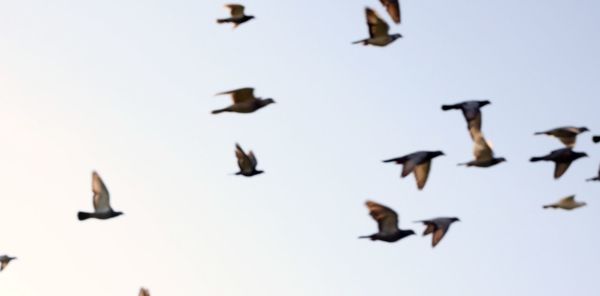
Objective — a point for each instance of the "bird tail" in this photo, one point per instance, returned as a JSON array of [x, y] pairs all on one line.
[[449, 107], [534, 159], [83, 216], [539, 133], [596, 139], [463, 164], [396, 160], [366, 236], [221, 21], [549, 206], [220, 111], [364, 42], [593, 179]]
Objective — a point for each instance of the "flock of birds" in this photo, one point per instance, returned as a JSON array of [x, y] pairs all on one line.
[[417, 163]]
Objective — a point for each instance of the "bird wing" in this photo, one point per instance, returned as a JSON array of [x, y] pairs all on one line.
[[422, 173], [3, 265], [430, 227], [144, 292], [482, 149], [568, 140], [101, 195], [438, 234], [560, 169], [244, 162], [240, 95], [393, 9], [252, 159], [387, 219], [236, 10], [567, 200], [377, 26]]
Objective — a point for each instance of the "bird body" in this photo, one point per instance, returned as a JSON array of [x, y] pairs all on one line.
[[562, 159], [102, 208], [438, 227], [567, 134], [418, 163], [568, 203], [472, 112], [246, 162], [484, 155], [237, 15], [244, 101], [4, 260], [387, 222], [378, 31]]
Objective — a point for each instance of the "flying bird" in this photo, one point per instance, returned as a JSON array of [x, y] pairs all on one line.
[[246, 162], [438, 227], [419, 163], [387, 221], [567, 135], [471, 111], [568, 203], [144, 292], [596, 139], [4, 260], [237, 15], [102, 208], [562, 159], [378, 31], [393, 9], [484, 155], [244, 101], [597, 178]]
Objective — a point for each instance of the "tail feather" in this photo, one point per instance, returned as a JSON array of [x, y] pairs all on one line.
[[364, 42], [83, 216], [539, 133], [450, 107], [549, 206], [366, 236], [220, 111], [593, 179], [534, 159], [221, 21], [396, 160]]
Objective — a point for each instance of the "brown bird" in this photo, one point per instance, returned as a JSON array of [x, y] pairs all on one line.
[[144, 292], [244, 101], [567, 134], [237, 15], [387, 221], [484, 155], [102, 208], [378, 31], [562, 159], [393, 9], [246, 162], [439, 227], [472, 112], [568, 203], [4, 260], [419, 163]]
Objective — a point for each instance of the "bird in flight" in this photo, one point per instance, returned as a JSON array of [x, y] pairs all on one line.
[[568, 203], [567, 134], [144, 292], [597, 178], [246, 162], [4, 260], [244, 101], [102, 208], [472, 112], [387, 222], [237, 15], [418, 163], [562, 159], [378, 31], [393, 9], [438, 227], [484, 155]]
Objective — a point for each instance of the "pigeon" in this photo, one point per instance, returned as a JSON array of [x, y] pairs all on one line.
[[567, 135], [237, 15], [439, 227], [144, 292], [568, 203], [563, 159], [387, 221], [419, 163], [246, 162], [378, 31], [471, 111], [596, 139], [4, 260], [484, 155], [244, 101], [597, 178], [102, 209], [393, 9]]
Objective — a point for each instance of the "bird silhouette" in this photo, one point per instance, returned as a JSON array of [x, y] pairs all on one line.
[[387, 222], [562, 159], [4, 260], [237, 15], [246, 162], [378, 31], [567, 134], [438, 227], [568, 203], [102, 208], [596, 139], [472, 112], [484, 155], [596, 178], [244, 101], [419, 163]]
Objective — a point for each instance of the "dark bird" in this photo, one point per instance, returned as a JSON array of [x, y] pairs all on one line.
[[597, 178], [4, 260], [471, 111], [484, 155], [567, 135], [378, 31], [419, 163], [144, 292], [568, 203], [244, 101], [246, 162], [237, 15], [562, 159], [596, 139], [102, 208], [439, 227], [387, 221], [393, 9]]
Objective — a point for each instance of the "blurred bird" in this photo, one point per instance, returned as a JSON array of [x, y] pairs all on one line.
[[102, 208], [237, 15], [378, 31], [439, 227], [596, 139], [244, 101], [567, 203], [246, 162], [567, 135], [387, 221], [471, 111], [419, 163], [144, 292], [484, 155], [562, 158], [4, 260], [597, 178], [393, 9]]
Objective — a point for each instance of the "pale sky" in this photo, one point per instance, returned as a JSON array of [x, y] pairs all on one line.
[[126, 87]]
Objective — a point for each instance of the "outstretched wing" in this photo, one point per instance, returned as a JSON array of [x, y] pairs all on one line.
[[236, 10], [560, 169], [393, 9], [240, 95], [422, 174], [144, 292], [244, 161], [252, 158], [377, 26], [387, 219], [482, 150], [101, 195]]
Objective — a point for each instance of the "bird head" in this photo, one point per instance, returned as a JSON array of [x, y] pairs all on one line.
[[580, 154], [500, 159], [251, 17], [116, 214], [395, 36], [583, 129], [455, 219], [437, 153], [268, 101], [483, 103], [410, 232]]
